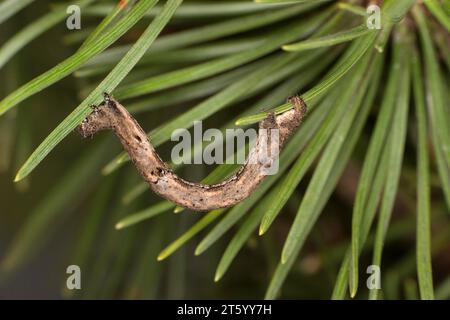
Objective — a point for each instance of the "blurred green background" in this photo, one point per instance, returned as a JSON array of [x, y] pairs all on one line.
[[64, 213]]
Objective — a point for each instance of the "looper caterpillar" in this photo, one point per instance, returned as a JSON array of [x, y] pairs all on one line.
[[110, 114]]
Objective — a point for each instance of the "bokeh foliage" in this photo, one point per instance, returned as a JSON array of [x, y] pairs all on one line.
[[365, 180]]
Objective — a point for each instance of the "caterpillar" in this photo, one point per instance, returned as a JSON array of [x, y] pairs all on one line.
[[110, 114]]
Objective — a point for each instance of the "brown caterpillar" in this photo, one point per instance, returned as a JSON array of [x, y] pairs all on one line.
[[110, 114]]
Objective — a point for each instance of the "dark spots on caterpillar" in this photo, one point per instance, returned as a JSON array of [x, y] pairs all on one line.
[[106, 97], [158, 172]]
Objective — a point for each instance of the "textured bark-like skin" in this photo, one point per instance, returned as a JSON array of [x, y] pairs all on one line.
[[110, 114]]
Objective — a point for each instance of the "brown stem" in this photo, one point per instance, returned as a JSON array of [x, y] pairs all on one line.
[[110, 114]]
